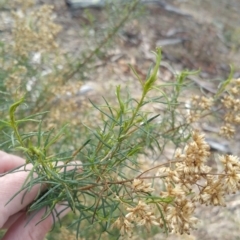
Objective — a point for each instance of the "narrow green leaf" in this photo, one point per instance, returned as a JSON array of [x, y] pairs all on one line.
[[55, 138]]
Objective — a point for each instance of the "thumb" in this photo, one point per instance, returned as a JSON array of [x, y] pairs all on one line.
[[31, 227]]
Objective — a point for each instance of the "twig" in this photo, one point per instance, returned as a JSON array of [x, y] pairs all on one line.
[[104, 42]]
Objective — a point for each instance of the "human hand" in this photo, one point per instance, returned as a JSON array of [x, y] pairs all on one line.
[[13, 216]]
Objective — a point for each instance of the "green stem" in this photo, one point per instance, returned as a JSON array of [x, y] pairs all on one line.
[[135, 113], [103, 43]]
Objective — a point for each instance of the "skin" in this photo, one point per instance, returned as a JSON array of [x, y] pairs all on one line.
[[13, 216]]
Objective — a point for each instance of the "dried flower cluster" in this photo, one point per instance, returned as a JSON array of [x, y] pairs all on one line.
[[198, 104], [202, 102], [188, 180], [140, 186], [180, 182], [26, 4], [193, 182], [35, 33], [15, 79], [33, 43], [141, 215], [231, 105]]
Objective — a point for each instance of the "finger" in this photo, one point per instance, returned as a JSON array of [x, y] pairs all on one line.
[[12, 184], [31, 227], [9, 162], [12, 219]]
